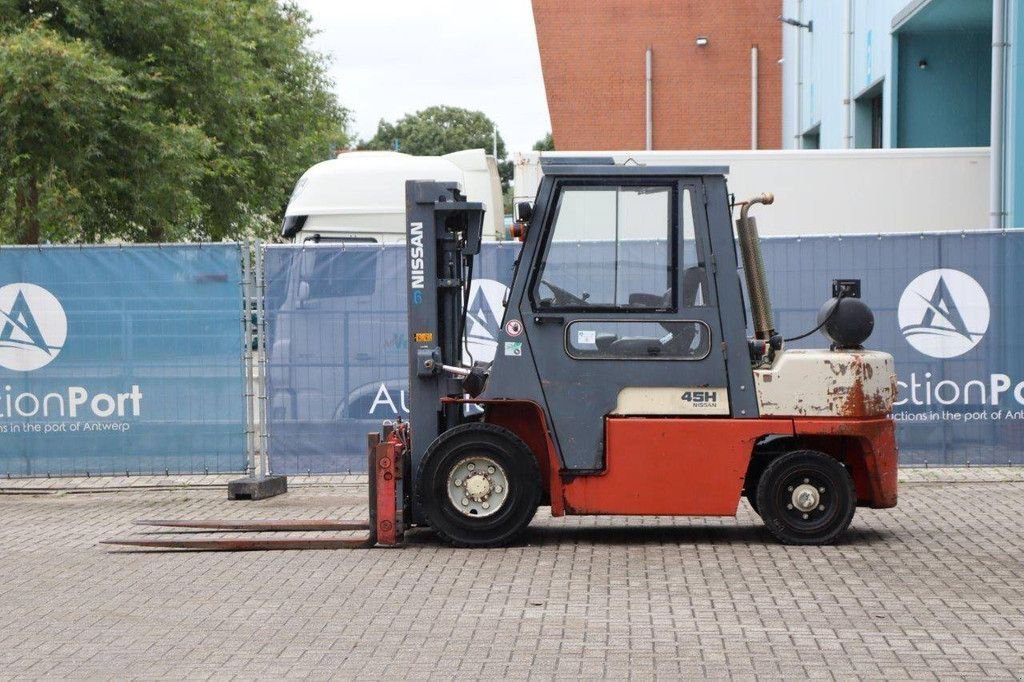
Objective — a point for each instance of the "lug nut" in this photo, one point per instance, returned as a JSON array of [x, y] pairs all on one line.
[[471, 466], [490, 470], [465, 501], [458, 482], [805, 516], [821, 507], [486, 505]]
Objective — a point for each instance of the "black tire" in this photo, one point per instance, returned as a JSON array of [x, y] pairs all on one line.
[[823, 480], [752, 501], [754, 472], [515, 466]]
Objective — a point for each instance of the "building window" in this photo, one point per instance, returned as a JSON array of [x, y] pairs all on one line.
[[868, 112], [811, 138], [876, 122]]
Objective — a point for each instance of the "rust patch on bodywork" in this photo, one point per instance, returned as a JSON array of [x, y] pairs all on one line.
[[851, 399], [860, 404]]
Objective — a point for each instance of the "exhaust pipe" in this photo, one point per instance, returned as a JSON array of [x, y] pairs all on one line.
[[753, 266]]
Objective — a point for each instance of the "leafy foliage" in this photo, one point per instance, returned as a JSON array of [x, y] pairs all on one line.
[[439, 130], [156, 120], [545, 144], [435, 131]]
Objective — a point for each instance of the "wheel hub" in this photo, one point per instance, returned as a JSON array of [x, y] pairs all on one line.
[[477, 486], [806, 497]]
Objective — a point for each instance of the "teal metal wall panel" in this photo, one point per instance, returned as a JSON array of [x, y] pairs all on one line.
[[945, 104]]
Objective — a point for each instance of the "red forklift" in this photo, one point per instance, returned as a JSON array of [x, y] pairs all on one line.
[[625, 380], [628, 378]]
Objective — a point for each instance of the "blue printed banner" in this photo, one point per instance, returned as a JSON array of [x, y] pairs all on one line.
[[116, 360], [945, 305]]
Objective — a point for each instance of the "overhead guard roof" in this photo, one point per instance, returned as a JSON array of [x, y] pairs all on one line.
[[628, 171]]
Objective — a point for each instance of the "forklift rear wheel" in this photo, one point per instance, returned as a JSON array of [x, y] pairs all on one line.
[[479, 485], [806, 497]]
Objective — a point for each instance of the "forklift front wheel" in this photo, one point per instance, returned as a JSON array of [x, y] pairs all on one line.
[[806, 497], [479, 485]]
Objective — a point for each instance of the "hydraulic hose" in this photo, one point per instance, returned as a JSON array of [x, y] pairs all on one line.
[[831, 314]]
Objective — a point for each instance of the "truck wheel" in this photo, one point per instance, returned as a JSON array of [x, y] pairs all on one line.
[[806, 497], [479, 485]]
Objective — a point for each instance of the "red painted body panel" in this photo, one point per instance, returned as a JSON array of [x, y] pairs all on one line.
[[671, 466], [388, 456], [868, 448], [526, 420], [692, 466]]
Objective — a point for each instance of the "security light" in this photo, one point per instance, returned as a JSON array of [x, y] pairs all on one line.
[[702, 41]]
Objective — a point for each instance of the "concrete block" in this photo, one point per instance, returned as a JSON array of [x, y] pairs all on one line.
[[257, 488]]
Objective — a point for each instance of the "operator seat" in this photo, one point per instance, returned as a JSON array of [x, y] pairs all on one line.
[[680, 334], [694, 293]]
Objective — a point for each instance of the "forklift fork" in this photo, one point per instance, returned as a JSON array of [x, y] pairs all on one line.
[[387, 461]]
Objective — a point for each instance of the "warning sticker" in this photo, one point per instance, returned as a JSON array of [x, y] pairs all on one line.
[[423, 337], [514, 348], [586, 337], [513, 327]]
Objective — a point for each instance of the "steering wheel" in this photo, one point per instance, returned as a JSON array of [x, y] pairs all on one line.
[[563, 297]]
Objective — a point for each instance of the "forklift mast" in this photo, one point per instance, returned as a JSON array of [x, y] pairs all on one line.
[[444, 234]]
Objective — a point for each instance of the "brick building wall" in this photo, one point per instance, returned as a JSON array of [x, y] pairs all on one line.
[[593, 57]]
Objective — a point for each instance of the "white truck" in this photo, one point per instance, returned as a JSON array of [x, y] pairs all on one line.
[[850, 191], [360, 196]]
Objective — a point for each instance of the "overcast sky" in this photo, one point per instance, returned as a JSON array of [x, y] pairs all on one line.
[[393, 57]]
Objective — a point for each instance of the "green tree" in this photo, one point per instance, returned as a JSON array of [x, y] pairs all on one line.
[[545, 144], [441, 130], [435, 131], [156, 120]]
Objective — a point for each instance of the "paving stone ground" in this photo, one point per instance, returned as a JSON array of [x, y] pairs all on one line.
[[931, 589]]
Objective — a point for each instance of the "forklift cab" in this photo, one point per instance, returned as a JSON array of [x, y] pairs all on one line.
[[620, 303]]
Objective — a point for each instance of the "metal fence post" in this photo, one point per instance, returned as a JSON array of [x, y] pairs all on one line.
[[264, 468], [247, 358]]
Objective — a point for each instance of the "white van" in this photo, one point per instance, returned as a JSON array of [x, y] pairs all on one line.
[[360, 196]]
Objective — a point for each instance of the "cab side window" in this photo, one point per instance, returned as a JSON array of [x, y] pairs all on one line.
[[611, 247]]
